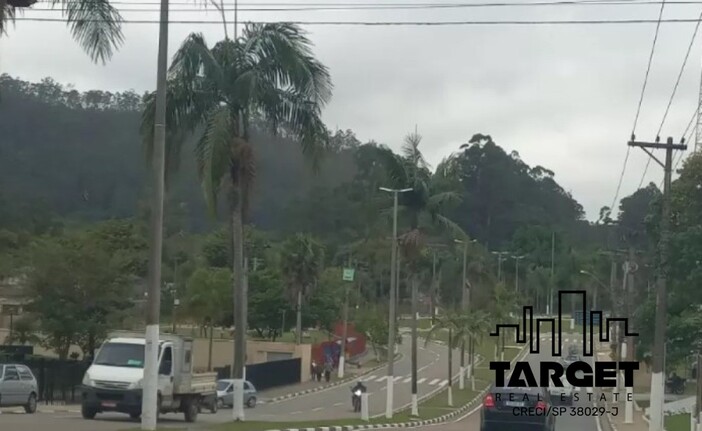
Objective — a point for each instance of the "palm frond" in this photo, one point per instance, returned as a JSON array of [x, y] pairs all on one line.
[[193, 61], [393, 165], [411, 151], [442, 200], [214, 154], [284, 54], [450, 226], [7, 14], [95, 24]]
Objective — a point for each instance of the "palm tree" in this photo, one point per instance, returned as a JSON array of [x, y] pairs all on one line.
[[453, 322], [301, 263], [95, 24], [269, 77], [475, 324], [503, 305]]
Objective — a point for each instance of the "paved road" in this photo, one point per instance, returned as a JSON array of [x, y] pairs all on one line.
[[335, 403], [565, 423]]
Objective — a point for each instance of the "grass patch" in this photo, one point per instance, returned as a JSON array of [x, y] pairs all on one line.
[[680, 422]]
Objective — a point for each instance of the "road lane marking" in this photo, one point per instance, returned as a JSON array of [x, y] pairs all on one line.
[[295, 413], [369, 378], [381, 379], [422, 380], [338, 404], [444, 383], [318, 409], [435, 381], [407, 380], [397, 379]]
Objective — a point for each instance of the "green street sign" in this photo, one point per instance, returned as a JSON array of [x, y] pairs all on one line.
[[348, 274]]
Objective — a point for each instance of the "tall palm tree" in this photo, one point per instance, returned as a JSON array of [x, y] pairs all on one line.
[[95, 24], [268, 76], [451, 322], [301, 263], [503, 306]]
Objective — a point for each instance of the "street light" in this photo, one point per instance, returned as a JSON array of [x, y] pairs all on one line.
[[516, 271], [499, 263], [594, 300], [391, 323], [465, 304]]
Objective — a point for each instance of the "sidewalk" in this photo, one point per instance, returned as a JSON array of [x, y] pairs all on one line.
[[618, 424], [352, 372]]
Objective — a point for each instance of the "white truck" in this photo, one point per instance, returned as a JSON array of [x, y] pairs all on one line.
[[113, 382]]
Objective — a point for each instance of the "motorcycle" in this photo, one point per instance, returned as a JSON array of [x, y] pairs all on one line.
[[675, 386], [356, 400]]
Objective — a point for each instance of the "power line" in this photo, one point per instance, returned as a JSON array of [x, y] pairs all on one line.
[[677, 82], [621, 178], [643, 89], [337, 7], [397, 23], [648, 70]]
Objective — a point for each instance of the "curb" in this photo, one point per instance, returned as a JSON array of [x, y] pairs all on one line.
[[325, 387], [413, 424]]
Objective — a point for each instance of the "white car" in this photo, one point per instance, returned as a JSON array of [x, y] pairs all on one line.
[[561, 395]]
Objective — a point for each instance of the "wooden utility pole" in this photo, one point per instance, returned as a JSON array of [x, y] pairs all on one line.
[[657, 377], [153, 306]]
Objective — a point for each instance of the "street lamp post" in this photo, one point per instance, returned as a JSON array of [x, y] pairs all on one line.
[[393, 288], [499, 263], [594, 299], [465, 304], [516, 271]]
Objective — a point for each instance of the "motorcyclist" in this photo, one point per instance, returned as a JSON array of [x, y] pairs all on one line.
[[359, 387], [356, 392]]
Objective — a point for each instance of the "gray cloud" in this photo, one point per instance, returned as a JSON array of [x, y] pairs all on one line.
[[562, 96]]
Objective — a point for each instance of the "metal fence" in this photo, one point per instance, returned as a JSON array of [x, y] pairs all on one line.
[[57, 380], [268, 375]]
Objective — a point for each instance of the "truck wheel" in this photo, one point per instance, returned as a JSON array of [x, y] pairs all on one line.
[[87, 412], [214, 407], [191, 410]]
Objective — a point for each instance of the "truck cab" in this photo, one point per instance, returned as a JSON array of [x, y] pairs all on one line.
[[113, 382]]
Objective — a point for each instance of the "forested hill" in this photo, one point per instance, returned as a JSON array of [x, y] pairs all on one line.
[[79, 156]]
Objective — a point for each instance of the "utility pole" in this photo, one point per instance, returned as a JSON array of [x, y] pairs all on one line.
[[499, 264], [462, 369], [344, 331], [153, 308], [549, 301], [433, 288], [516, 272], [631, 267], [393, 286], [415, 402], [657, 376]]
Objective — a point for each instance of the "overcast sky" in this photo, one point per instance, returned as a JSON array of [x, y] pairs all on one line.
[[563, 97]]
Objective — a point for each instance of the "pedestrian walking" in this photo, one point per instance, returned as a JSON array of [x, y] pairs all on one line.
[[327, 371], [313, 370]]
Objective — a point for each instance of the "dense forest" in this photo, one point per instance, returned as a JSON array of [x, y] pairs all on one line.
[[74, 187]]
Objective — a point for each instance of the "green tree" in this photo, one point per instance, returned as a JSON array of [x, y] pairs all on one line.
[[207, 290], [268, 75], [373, 322], [95, 24], [76, 290], [302, 259], [267, 304]]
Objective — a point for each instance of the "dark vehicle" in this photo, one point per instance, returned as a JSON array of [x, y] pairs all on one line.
[[522, 409], [571, 358], [675, 385]]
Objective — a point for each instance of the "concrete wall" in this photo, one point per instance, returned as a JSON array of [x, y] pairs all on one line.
[[222, 352]]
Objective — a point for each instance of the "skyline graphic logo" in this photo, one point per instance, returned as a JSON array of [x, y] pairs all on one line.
[[580, 373], [533, 336]]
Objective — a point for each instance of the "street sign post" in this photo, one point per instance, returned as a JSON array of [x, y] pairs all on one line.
[[348, 274]]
